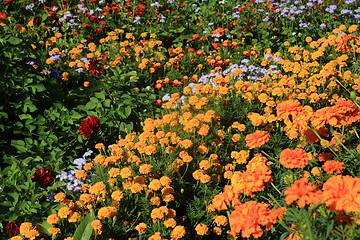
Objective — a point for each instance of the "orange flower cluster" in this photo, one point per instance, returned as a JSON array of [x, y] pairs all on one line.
[[296, 158], [247, 218], [253, 179]]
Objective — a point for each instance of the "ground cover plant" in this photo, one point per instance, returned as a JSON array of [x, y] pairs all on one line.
[[179, 120]]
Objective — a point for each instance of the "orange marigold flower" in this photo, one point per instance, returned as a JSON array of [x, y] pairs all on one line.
[[81, 174], [303, 192], [126, 172], [165, 181], [97, 188], [60, 197], [64, 212], [247, 218], [156, 236], [201, 229], [257, 139], [205, 178], [16, 238], [114, 172], [296, 158], [221, 220], [29, 231], [178, 232], [155, 184], [117, 195], [332, 166], [141, 228], [186, 143], [289, 107], [145, 168], [106, 212], [96, 224], [99, 159], [53, 219], [340, 193], [170, 223], [54, 231], [74, 217]]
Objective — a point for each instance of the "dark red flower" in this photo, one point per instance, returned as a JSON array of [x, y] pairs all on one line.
[[89, 126], [94, 67], [43, 177], [13, 228]]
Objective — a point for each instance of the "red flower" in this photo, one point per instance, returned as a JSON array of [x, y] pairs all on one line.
[[93, 67], [43, 177], [89, 126], [13, 228], [3, 15]]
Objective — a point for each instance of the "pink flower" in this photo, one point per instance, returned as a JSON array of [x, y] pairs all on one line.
[[89, 126]]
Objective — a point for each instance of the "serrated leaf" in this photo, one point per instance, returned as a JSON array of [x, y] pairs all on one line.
[[84, 230]]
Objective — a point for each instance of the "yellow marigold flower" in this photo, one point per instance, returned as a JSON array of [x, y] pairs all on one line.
[[141, 228], [97, 188], [126, 172], [60, 197], [117, 195], [81, 174], [96, 224], [114, 172], [68, 238], [145, 168], [201, 229], [53, 219], [54, 231], [106, 212], [178, 232], [64, 212], [170, 223]]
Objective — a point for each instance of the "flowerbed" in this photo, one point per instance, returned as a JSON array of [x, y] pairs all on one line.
[[212, 120]]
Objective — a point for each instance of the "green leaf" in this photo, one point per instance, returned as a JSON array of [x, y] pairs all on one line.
[[57, 185], [84, 230], [100, 95], [14, 40], [19, 145], [24, 116], [45, 226], [127, 111], [106, 103], [90, 105]]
